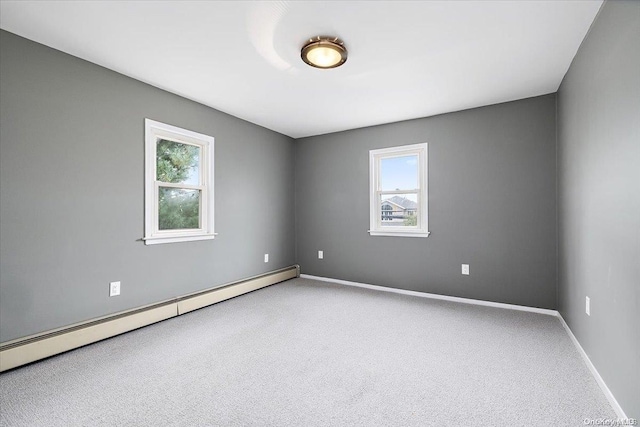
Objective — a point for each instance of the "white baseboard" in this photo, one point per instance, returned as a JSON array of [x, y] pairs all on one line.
[[436, 296], [603, 386]]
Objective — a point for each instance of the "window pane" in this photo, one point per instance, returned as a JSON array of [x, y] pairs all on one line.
[[178, 208], [399, 173], [177, 163], [399, 210]]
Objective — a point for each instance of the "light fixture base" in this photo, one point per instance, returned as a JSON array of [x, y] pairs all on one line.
[[324, 52]]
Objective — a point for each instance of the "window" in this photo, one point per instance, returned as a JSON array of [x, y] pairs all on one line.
[[178, 184], [398, 191]]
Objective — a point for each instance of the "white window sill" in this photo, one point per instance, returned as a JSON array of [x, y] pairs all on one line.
[[175, 239], [399, 233]]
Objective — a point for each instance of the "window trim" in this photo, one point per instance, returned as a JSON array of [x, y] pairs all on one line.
[[375, 194], [152, 234]]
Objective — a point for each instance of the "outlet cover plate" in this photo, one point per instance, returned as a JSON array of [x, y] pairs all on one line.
[[114, 289], [465, 269], [587, 307]]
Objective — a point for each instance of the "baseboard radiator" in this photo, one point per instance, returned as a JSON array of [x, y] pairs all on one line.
[[29, 349]]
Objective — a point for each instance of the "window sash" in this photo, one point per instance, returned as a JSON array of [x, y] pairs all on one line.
[[201, 161], [376, 193], [204, 192], [202, 211], [154, 131], [381, 226], [179, 185]]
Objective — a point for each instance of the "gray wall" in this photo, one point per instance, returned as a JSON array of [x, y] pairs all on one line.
[[492, 204], [599, 198], [72, 182]]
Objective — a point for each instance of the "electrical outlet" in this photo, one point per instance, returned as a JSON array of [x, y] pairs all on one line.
[[465, 269], [266, 257], [320, 254], [587, 307], [114, 289]]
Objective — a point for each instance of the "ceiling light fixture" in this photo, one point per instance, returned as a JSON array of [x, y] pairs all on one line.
[[324, 52]]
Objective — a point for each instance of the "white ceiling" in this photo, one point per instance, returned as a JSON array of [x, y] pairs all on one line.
[[406, 59]]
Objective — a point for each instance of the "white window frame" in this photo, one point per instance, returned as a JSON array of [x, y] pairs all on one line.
[[152, 234], [375, 193]]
